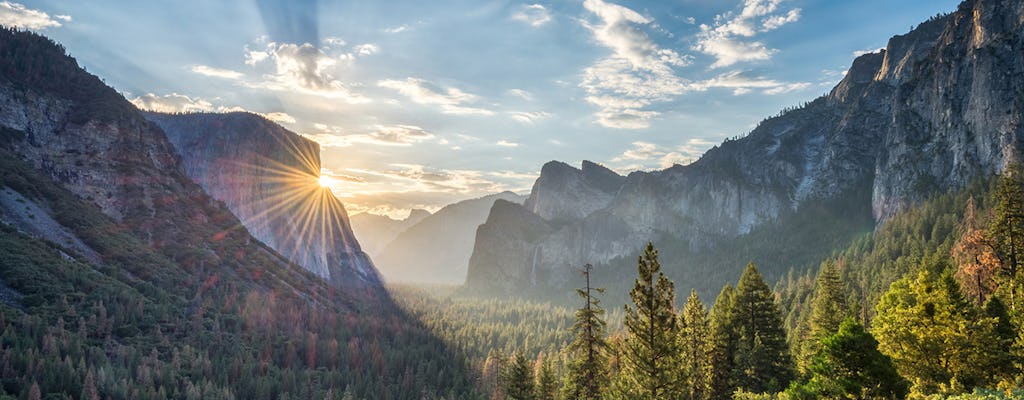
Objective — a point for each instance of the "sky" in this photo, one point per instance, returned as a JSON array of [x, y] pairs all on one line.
[[421, 104]]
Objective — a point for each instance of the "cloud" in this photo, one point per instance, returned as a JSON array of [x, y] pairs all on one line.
[[279, 117], [742, 83], [523, 94], [17, 15], [451, 100], [533, 14], [367, 49], [646, 155], [216, 72], [506, 143], [304, 69], [730, 40], [859, 53], [383, 135], [529, 117], [177, 103], [397, 29], [636, 74]]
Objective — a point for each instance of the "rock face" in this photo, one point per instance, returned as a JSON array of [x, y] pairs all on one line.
[[269, 178], [437, 249], [376, 231], [941, 105]]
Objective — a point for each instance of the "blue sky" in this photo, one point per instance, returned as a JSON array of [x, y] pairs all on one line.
[[420, 104]]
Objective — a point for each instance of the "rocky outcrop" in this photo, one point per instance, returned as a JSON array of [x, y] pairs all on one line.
[[437, 249], [269, 178], [936, 108], [377, 231]]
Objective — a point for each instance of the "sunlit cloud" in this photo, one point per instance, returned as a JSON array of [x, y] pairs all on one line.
[[305, 69], [730, 39], [646, 156], [19, 16], [451, 100], [506, 143], [177, 103], [383, 135], [529, 117], [636, 74], [533, 14], [216, 72], [742, 83]]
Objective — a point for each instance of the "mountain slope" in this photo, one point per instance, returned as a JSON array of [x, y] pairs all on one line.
[[437, 249], [938, 107], [269, 178], [376, 231]]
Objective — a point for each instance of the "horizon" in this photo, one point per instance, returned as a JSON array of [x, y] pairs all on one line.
[[420, 106]]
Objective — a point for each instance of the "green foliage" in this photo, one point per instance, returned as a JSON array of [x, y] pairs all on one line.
[[724, 338], [828, 310], [651, 351], [848, 365], [763, 360], [1006, 231], [694, 338], [546, 387], [517, 379], [587, 376]]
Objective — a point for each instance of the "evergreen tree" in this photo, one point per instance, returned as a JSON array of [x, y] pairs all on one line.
[[723, 345], [1001, 361], [1007, 229], [587, 375], [695, 335], [828, 309], [763, 361], [518, 379], [547, 382], [934, 335], [651, 355], [848, 365]]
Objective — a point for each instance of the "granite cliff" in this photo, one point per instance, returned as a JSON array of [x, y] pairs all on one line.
[[938, 107], [269, 178]]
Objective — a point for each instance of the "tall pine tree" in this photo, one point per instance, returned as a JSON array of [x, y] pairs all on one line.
[[763, 360], [695, 335], [723, 345], [1006, 231], [651, 355], [587, 375], [518, 379], [828, 310]]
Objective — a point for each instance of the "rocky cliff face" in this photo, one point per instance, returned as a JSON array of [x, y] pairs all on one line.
[[938, 107], [269, 178], [377, 231], [437, 249]]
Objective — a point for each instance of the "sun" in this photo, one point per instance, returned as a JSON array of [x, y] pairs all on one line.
[[325, 181]]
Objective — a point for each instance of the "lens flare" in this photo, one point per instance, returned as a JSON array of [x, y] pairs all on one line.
[[325, 181]]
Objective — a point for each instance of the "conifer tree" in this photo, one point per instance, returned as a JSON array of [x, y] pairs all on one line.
[[723, 345], [587, 375], [763, 360], [1007, 229], [828, 310], [518, 379], [695, 335], [547, 383], [651, 355]]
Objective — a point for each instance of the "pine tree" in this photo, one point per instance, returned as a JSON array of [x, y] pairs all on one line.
[[848, 365], [695, 335], [518, 379], [1006, 231], [828, 310], [652, 353], [723, 345], [587, 375], [763, 360], [89, 390], [975, 254], [547, 382]]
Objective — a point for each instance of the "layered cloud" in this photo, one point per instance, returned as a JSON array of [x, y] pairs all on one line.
[[450, 100], [17, 15], [533, 14], [306, 69], [636, 74], [390, 135], [732, 40], [646, 155], [179, 103], [742, 83]]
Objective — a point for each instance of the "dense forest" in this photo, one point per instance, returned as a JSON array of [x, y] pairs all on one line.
[[928, 306]]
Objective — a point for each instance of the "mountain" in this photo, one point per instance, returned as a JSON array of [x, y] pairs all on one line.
[[376, 231], [111, 256], [269, 178], [938, 107], [416, 254]]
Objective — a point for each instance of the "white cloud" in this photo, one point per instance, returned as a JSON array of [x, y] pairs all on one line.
[[506, 143], [367, 49], [646, 155], [730, 39], [529, 117], [216, 72], [533, 14], [742, 83], [637, 73], [177, 103], [383, 135], [859, 53], [523, 94], [305, 69], [451, 100], [17, 15], [279, 117], [397, 29]]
